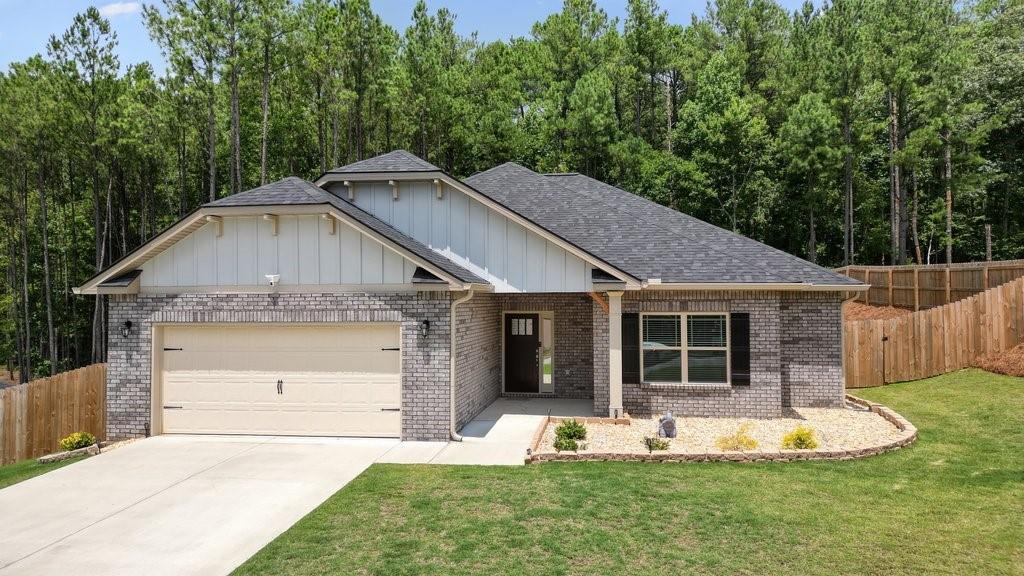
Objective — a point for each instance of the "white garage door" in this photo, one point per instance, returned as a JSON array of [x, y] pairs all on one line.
[[281, 379]]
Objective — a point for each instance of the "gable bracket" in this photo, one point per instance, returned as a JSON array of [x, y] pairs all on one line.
[[272, 218]]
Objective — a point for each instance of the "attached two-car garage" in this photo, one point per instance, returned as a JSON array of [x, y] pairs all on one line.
[[279, 379]]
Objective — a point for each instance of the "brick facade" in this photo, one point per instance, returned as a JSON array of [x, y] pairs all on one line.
[[812, 349], [796, 349], [573, 366], [477, 355], [425, 360], [761, 399]]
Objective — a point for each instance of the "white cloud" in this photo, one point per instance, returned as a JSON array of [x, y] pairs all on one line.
[[119, 8]]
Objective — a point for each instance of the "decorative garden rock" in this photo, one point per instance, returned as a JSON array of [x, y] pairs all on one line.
[[667, 426]]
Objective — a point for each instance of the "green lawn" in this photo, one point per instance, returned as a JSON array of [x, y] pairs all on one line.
[[19, 471], [953, 503]]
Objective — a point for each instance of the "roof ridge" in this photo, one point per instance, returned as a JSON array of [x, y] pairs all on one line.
[[649, 222]]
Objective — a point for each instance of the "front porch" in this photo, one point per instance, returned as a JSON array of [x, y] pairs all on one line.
[[537, 347]]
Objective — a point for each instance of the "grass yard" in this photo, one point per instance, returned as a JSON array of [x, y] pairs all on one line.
[[953, 503], [20, 471]]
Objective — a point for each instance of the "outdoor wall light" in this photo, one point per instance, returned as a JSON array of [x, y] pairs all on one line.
[[425, 328], [126, 328]]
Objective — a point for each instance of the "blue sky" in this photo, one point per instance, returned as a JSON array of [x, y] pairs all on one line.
[[26, 25]]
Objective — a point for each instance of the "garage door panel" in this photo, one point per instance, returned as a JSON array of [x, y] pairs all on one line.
[[335, 380]]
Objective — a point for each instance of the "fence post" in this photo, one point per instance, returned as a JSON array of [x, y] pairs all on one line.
[[947, 284], [917, 291], [985, 277], [890, 288]]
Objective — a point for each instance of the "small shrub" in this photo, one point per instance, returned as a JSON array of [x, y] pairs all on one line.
[[77, 440], [738, 442], [801, 438], [571, 430], [654, 443], [566, 445]]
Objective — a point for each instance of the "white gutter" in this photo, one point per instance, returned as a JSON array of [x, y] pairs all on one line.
[[451, 371]]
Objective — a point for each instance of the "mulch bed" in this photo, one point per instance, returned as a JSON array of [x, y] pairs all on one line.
[[858, 311], [1010, 362]]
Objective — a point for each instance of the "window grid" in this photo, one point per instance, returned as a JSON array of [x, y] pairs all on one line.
[[684, 346]]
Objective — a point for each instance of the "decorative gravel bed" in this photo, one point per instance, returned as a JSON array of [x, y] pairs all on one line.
[[860, 429]]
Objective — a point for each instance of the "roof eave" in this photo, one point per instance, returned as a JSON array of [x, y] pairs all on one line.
[[774, 286]]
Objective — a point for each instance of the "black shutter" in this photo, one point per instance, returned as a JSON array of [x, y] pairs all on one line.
[[631, 348], [739, 340]]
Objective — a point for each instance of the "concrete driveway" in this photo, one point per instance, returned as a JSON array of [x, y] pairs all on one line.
[[172, 504]]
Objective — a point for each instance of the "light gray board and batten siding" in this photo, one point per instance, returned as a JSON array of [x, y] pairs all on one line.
[[303, 252], [478, 238]]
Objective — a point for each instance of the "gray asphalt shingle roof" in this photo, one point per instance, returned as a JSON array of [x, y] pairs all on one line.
[[396, 161], [640, 237], [294, 191]]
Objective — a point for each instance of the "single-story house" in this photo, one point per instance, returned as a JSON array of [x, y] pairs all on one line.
[[389, 298]]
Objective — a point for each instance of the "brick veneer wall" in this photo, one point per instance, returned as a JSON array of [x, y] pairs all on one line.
[[812, 349], [761, 399], [477, 355], [425, 360], [573, 339]]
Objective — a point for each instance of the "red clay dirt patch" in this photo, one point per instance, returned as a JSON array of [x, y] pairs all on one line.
[[1010, 362], [858, 311]]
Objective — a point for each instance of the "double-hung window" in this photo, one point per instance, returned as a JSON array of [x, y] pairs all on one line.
[[685, 348]]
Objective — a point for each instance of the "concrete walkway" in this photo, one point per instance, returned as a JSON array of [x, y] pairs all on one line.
[[503, 431]]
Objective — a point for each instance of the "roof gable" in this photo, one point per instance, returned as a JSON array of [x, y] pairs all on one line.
[[395, 161]]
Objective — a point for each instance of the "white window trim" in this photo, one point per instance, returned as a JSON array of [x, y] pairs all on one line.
[[684, 349]]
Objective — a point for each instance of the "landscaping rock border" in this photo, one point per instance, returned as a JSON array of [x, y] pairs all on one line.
[[91, 450], [908, 434]]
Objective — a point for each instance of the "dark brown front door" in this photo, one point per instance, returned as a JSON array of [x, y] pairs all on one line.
[[522, 353]]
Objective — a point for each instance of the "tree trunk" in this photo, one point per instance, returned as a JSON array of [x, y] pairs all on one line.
[[847, 189], [211, 132], [26, 370], [47, 289], [264, 110], [947, 180], [812, 237], [895, 210], [913, 216], [236, 138]]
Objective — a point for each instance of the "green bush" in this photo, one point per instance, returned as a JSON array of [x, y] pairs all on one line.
[[571, 430], [738, 442], [654, 443], [565, 445], [77, 440], [801, 438]]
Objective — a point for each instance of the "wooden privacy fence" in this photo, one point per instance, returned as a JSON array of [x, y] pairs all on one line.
[[936, 341], [35, 416], [931, 285]]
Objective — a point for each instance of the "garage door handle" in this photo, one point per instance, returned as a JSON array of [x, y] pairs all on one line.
[[390, 409], [172, 407], [280, 386], [172, 349], [390, 349]]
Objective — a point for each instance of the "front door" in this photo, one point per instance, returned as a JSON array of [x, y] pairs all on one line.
[[522, 353]]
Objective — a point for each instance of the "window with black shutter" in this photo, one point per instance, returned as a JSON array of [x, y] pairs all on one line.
[[631, 348], [739, 339]]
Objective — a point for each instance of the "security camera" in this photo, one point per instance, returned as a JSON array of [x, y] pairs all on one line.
[[273, 279]]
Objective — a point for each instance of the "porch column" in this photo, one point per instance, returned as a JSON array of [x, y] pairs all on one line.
[[615, 354]]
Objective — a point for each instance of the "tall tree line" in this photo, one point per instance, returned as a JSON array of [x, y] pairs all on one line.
[[855, 131]]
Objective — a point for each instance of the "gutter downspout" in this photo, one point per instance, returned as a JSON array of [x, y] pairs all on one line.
[[451, 371]]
